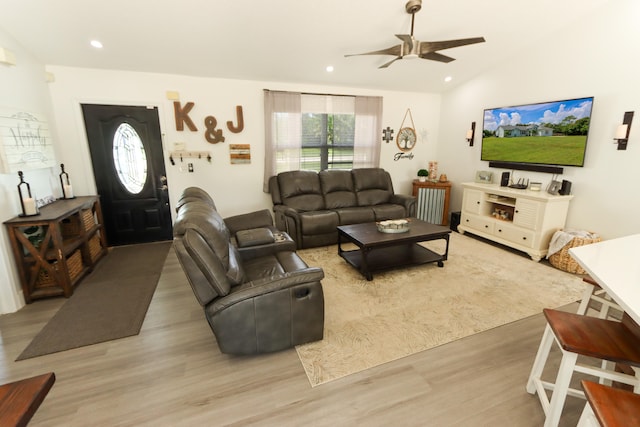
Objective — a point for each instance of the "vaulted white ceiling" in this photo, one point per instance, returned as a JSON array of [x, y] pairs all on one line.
[[288, 40]]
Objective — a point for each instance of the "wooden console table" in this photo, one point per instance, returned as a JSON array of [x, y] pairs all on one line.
[[433, 201], [19, 400], [58, 247]]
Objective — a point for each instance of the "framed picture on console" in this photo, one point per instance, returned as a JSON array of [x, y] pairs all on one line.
[[484, 177]]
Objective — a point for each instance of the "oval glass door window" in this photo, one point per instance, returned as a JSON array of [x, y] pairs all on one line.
[[129, 158]]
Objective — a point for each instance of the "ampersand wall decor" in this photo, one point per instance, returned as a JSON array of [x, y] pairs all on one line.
[[212, 134]]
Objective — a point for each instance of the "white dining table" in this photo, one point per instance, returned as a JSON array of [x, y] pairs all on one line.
[[615, 265]]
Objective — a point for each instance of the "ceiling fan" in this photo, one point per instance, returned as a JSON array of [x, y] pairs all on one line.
[[411, 48]]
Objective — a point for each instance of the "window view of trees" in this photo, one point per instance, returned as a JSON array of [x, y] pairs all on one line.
[[327, 141]]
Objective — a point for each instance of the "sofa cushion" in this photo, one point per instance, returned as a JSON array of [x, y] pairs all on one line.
[[235, 273], [262, 267], [356, 215], [202, 218], [209, 265], [372, 185], [337, 187], [389, 211], [318, 222], [194, 194], [300, 190]]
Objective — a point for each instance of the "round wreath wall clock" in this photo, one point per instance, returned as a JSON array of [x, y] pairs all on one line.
[[407, 137]]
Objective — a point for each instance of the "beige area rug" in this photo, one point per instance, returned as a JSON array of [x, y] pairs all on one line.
[[405, 311]]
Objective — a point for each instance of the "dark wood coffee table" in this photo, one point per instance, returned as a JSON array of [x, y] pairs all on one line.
[[382, 251]]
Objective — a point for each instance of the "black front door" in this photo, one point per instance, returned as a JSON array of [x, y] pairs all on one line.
[[128, 164]]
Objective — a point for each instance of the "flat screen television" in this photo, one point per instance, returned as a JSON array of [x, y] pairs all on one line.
[[547, 133]]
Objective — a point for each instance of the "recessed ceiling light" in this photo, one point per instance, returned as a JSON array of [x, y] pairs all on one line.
[[448, 79], [329, 68], [96, 44]]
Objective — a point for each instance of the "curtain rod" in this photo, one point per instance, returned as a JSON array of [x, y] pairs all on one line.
[[312, 93]]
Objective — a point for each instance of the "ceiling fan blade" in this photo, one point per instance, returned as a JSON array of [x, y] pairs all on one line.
[[385, 65], [426, 47], [435, 56], [394, 50]]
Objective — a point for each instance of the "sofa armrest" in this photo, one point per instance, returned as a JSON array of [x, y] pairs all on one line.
[[409, 203], [288, 220], [257, 219], [254, 237], [281, 242], [268, 285]]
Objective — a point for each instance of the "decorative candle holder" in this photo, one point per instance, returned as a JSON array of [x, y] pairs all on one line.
[[67, 190], [27, 201]]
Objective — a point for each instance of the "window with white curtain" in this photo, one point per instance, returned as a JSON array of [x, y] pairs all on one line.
[[319, 132]]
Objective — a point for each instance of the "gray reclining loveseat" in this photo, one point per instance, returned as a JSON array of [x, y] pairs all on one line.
[[258, 295], [310, 205]]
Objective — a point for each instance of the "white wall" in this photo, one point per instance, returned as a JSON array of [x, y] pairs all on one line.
[[596, 58], [235, 188], [22, 87]]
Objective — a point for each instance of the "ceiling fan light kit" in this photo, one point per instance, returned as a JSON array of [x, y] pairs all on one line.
[[412, 48]]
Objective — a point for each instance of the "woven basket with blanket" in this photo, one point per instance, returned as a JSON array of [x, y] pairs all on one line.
[[562, 241]]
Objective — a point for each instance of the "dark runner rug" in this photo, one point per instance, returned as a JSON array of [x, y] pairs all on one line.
[[109, 304]]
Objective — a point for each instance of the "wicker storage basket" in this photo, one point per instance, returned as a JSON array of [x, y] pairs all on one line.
[[95, 247], [45, 279], [74, 265], [563, 261], [87, 219], [70, 227]]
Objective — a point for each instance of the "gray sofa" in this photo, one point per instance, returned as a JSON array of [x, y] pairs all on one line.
[[310, 205], [258, 295]]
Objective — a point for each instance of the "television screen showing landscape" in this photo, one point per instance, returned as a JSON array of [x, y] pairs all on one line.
[[548, 133]]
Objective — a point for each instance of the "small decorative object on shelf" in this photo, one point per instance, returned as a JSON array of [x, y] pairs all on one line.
[[393, 226], [501, 214], [433, 170], [27, 200], [67, 190], [423, 174]]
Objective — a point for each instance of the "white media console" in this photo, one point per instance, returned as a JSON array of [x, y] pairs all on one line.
[[522, 219]]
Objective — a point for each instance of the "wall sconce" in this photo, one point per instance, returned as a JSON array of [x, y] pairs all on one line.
[[622, 131], [471, 133], [7, 57]]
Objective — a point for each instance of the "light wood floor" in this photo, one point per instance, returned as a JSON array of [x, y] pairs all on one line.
[[173, 374]]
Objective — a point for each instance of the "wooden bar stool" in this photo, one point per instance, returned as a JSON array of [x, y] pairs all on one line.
[[609, 407], [608, 310], [587, 336], [593, 292], [19, 400]]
